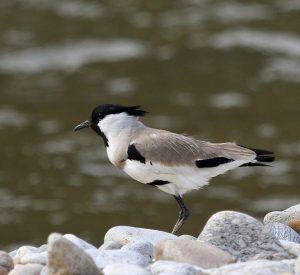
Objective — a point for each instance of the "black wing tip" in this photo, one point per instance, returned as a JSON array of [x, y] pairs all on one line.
[[262, 154]]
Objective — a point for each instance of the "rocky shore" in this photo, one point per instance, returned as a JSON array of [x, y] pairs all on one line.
[[230, 243]]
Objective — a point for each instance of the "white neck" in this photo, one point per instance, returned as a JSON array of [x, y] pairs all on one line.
[[116, 124]]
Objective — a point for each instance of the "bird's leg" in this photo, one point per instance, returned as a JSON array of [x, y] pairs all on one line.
[[183, 214]]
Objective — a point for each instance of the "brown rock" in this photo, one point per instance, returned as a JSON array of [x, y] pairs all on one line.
[[192, 252], [295, 224], [6, 263], [65, 258]]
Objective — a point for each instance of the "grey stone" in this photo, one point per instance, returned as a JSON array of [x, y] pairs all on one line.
[[64, 257], [144, 248], [29, 269], [79, 242], [126, 234], [102, 258], [291, 247], [289, 216], [282, 232], [240, 235], [6, 262], [173, 268], [192, 252], [259, 267], [124, 269]]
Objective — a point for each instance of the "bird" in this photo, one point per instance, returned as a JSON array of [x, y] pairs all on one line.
[[173, 163]]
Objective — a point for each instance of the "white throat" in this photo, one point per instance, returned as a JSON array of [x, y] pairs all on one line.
[[115, 125], [119, 129]]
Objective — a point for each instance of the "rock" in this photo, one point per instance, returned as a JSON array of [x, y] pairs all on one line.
[[126, 234], [192, 252], [143, 248], [103, 258], [240, 235], [29, 269], [271, 257], [187, 237], [79, 242], [3, 271], [291, 247], [64, 257], [290, 217], [173, 268], [297, 266], [124, 269], [283, 232], [6, 263], [30, 254], [34, 258], [110, 245], [44, 271], [260, 267]]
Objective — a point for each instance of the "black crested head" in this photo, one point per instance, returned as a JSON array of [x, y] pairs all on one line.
[[108, 109]]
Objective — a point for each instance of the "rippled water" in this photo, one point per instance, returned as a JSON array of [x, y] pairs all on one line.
[[217, 70]]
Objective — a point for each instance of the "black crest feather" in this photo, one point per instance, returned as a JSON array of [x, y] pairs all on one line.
[[108, 109]]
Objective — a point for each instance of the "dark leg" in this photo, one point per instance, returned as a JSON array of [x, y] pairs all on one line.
[[183, 214]]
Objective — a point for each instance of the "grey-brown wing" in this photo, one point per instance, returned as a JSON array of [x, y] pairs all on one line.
[[172, 149]]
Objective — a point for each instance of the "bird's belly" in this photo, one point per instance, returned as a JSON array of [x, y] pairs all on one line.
[[146, 173], [180, 180]]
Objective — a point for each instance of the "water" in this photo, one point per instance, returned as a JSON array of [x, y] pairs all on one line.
[[217, 70]]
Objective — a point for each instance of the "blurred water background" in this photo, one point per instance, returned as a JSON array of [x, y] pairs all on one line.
[[217, 70]]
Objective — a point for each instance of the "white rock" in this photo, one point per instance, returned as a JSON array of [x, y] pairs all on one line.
[[144, 248], [126, 234], [187, 237], [173, 268], [34, 258], [29, 269], [297, 266], [110, 245], [259, 267], [13, 253], [30, 254], [124, 269], [102, 258], [291, 247], [79, 242], [44, 271]]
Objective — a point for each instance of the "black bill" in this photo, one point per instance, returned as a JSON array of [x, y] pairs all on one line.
[[82, 125]]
